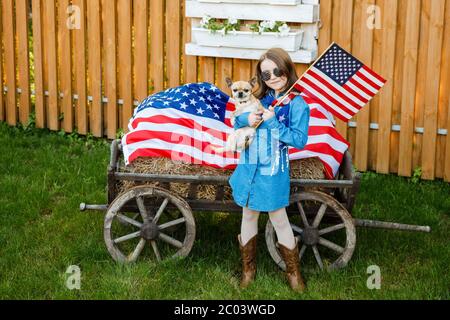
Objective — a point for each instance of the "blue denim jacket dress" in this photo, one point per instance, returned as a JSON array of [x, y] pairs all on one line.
[[261, 180]]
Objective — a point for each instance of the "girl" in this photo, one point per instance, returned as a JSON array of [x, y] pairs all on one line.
[[261, 181]]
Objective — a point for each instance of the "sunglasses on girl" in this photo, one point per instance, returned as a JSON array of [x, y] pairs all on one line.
[[266, 75]]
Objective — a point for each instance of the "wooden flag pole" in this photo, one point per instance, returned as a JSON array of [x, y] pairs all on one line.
[[292, 87]]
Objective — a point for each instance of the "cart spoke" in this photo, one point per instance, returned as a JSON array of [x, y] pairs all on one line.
[[296, 228], [318, 258], [133, 256], [302, 251], [129, 220], [332, 229], [170, 240], [302, 214], [160, 210], [171, 223], [319, 215], [141, 206], [127, 237], [331, 245], [155, 250]]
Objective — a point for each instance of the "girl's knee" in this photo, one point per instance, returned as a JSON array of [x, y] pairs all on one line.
[[281, 211], [250, 211], [279, 218]]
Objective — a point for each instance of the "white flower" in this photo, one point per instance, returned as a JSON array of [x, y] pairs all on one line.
[[205, 21], [264, 24], [271, 24], [232, 21], [284, 30]]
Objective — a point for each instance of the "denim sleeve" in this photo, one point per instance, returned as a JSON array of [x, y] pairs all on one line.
[[241, 121], [296, 135]]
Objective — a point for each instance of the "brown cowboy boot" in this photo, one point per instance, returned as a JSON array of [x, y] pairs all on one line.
[[248, 256], [291, 259]]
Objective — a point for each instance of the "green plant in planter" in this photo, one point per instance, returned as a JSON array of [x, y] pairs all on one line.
[[211, 24], [270, 26], [231, 24]]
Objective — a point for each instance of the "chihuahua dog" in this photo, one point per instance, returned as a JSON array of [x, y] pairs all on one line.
[[242, 94]]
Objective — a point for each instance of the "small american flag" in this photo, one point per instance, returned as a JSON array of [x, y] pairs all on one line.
[[183, 123], [340, 83]]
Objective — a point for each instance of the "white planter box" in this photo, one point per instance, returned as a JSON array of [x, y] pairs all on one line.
[[273, 2], [302, 13], [248, 39]]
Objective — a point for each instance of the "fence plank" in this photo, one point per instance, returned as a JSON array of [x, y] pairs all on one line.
[[374, 106], [388, 58], [140, 11], [362, 48], [110, 65], [444, 96], [242, 70], [52, 65], [10, 64], [79, 56], [65, 69], [173, 13], [22, 14], [189, 62], [207, 69], [409, 86], [94, 69], [421, 75], [444, 104], [342, 34], [224, 70], [447, 148], [157, 44], [326, 18], [301, 68], [432, 88], [125, 61], [39, 107], [398, 84]]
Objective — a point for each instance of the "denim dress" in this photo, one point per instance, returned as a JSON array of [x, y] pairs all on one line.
[[261, 181]]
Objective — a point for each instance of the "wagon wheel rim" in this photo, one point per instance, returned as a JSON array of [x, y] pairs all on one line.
[[312, 235], [150, 230]]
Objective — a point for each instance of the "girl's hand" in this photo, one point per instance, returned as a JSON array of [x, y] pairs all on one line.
[[254, 118], [268, 113]]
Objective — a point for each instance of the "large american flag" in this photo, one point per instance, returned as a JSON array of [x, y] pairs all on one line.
[[183, 123], [340, 83]]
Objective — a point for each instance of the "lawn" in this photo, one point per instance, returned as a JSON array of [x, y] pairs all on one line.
[[44, 176]]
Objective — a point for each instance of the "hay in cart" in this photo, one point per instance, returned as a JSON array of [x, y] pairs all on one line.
[[311, 168]]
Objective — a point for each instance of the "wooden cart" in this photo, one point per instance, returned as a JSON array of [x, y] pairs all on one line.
[[156, 216]]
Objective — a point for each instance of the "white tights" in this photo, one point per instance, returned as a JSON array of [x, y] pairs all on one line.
[[280, 222]]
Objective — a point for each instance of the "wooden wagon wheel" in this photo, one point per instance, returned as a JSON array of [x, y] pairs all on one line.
[[311, 232], [140, 216]]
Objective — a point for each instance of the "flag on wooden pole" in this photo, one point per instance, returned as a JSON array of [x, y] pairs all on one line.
[[340, 83]]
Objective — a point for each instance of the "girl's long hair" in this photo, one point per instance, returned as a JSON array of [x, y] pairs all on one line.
[[284, 63]]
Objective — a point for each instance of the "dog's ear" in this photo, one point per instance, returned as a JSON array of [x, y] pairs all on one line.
[[229, 82], [252, 81]]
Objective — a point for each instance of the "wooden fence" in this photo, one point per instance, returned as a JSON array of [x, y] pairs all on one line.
[[84, 64]]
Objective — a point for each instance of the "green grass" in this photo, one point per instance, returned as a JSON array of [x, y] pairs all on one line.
[[44, 176]]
